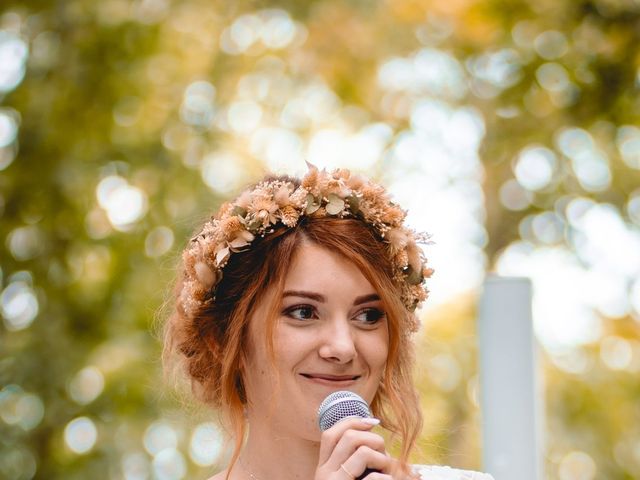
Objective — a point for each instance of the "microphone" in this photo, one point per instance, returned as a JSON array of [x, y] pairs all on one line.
[[339, 406]]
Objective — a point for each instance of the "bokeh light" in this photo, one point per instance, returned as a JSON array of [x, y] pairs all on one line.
[[552, 77], [198, 104], [86, 385], [13, 58], [169, 464], [158, 241], [577, 465], [551, 44], [160, 436], [616, 353], [9, 122], [18, 463], [633, 207], [206, 444], [222, 172], [514, 196], [428, 71], [135, 466], [589, 163], [493, 72], [251, 33], [124, 204], [280, 148], [26, 242], [535, 167], [628, 141], [81, 435], [244, 116], [19, 305], [18, 407]]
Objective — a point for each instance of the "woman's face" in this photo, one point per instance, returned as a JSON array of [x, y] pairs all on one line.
[[331, 334]]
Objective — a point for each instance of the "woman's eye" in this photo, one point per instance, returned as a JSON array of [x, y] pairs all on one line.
[[301, 312], [371, 316]]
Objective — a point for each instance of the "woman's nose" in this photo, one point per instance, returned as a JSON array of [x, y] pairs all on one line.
[[338, 343]]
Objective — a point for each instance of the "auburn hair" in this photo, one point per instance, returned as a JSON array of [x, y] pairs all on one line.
[[209, 346]]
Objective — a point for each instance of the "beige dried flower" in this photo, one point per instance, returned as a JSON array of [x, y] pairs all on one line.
[[332, 185], [230, 226], [393, 215], [289, 216], [397, 238], [373, 193], [225, 209], [415, 256], [263, 210], [401, 259], [281, 197], [222, 254], [241, 239], [342, 173], [205, 275], [244, 199], [427, 272], [298, 198], [310, 180], [355, 182]]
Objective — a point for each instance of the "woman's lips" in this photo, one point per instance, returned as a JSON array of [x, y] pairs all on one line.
[[325, 379]]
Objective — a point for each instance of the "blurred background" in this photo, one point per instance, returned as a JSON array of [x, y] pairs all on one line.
[[509, 129]]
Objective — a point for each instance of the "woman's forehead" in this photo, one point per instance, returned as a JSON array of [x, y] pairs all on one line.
[[318, 268]]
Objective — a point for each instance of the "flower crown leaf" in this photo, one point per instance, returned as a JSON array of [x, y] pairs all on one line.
[[258, 210]]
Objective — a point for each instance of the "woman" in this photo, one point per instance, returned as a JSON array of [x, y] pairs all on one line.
[[297, 289]]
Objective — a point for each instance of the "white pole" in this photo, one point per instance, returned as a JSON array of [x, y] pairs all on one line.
[[510, 391]]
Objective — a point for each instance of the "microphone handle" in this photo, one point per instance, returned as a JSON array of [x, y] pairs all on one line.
[[367, 472]]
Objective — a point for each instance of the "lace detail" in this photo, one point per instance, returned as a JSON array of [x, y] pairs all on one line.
[[436, 472]]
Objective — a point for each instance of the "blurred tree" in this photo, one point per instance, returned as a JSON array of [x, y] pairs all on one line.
[[124, 122]]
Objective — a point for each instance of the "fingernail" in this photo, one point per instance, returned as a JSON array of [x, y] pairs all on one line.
[[371, 421]]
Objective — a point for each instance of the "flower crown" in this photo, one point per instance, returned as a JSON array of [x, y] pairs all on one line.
[[257, 211]]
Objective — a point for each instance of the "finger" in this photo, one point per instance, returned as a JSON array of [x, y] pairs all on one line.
[[351, 440], [330, 437], [365, 457]]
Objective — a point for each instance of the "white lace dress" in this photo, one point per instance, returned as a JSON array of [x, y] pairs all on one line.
[[432, 472]]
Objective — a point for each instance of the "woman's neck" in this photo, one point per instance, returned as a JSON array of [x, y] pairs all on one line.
[[272, 454]]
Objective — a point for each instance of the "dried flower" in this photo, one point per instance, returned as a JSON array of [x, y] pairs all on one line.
[[263, 210], [205, 275], [298, 198], [397, 238], [310, 181], [281, 196], [289, 216], [230, 226], [393, 215], [244, 199]]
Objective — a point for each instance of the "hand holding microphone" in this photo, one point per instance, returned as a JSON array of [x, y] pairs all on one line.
[[348, 446]]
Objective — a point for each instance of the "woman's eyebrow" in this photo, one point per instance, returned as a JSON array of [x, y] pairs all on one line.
[[372, 297], [301, 293]]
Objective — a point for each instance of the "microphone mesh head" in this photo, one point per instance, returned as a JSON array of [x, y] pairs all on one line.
[[340, 405]]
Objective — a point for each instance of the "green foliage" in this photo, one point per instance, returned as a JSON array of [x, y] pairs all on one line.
[[104, 107]]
